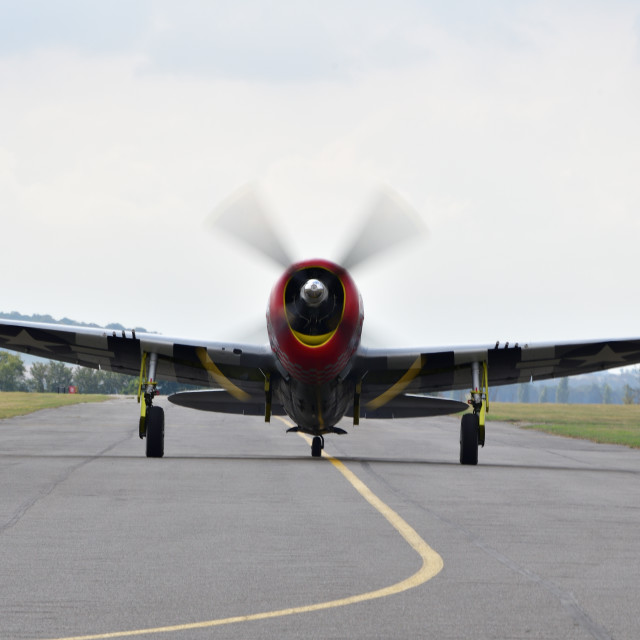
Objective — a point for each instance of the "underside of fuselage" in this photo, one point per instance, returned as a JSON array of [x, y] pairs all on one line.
[[315, 408]]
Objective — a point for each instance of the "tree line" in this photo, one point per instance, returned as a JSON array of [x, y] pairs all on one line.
[[53, 377], [622, 388], [591, 388]]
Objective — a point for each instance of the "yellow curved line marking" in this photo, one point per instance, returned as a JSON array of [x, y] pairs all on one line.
[[398, 387], [432, 564], [313, 341], [218, 376]]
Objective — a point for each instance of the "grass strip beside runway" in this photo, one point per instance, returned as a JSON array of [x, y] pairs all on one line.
[[20, 403], [603, 423]]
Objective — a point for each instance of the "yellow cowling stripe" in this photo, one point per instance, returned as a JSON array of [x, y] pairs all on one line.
[[313, 341]]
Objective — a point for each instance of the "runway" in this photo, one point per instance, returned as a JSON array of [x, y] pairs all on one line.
[[239, 533]]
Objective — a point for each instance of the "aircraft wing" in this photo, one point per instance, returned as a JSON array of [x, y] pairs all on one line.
[[391, 378], [236, 368], [221, 402], [387, 374]]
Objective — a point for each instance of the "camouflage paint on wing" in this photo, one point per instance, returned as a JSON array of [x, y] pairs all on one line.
[[121, 351], [386, 374]]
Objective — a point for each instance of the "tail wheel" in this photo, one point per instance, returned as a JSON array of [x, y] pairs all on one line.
[[155, 432], [316, 446], [469, 430]]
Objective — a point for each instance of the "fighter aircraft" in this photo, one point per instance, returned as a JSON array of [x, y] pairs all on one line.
[[314, 368]]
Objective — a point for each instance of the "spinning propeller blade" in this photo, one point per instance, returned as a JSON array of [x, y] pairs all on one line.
[[390, 221], [244, 216]]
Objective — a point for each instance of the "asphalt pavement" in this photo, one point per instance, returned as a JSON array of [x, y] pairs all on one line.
[[239, 533]]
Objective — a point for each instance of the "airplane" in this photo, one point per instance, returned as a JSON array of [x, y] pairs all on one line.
[[315, 369]]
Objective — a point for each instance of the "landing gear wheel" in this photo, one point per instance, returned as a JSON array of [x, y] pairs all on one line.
[[155, 432], [469, 430], [317, 445]]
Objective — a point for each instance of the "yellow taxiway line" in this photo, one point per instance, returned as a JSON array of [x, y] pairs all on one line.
[[431, 566]]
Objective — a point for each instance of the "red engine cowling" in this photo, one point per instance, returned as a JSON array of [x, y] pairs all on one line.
[[314, 320]]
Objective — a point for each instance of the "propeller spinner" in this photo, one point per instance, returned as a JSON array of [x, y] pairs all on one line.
[[313, 292]]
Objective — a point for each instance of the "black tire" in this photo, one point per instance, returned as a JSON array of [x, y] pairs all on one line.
[[155, 432], [469, 429], [316, 447]]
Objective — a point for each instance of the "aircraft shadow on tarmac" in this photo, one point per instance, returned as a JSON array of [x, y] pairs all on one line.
[[344, 459]]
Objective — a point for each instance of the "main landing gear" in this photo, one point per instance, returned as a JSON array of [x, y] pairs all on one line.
[[151, 424], [155, 432], [472, 430], [469, 429]]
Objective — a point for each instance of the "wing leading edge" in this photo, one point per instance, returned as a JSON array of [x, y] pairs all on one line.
[[188, 362], [387, 374], [390, 378]]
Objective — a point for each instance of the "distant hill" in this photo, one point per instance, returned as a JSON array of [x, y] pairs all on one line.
[[38, 317]]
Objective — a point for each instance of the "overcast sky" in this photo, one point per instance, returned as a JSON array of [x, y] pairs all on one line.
[[513, 128]]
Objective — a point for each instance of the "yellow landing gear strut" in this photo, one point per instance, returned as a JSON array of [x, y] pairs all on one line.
[[356, 403], [146, 388], [480, 396], [268, 397]]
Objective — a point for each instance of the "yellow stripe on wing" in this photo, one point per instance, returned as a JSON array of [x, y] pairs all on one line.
[[219, 377], [397, 388]]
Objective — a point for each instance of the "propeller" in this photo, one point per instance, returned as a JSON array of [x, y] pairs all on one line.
[[390, 220], [245, 216]]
